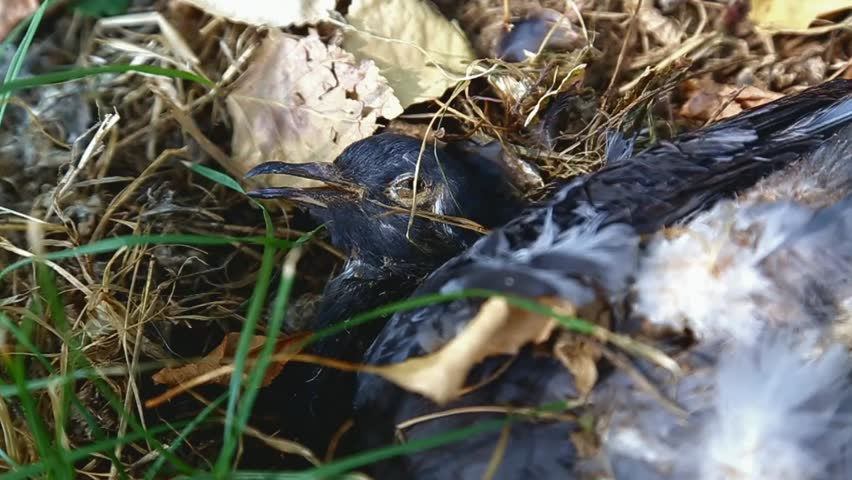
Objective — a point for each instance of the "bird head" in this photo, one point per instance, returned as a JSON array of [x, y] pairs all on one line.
[[370, 190]]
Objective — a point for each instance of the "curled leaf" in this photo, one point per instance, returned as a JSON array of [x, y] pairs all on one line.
[[708, 100], [301, 100], [497, 329], [220, 356]]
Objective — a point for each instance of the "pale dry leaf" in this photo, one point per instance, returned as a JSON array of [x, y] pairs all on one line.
[[12, 12], [580, 355], [664, 29], [270, 13], [390, 32], [303, 101], [793, 14], [497, 329], [220, 356], [707, 100]]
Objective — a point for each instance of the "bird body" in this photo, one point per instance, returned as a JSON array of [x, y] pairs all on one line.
[[583, 246]]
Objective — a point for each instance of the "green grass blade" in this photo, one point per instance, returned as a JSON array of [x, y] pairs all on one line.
[[76, 359], [366, 458], [50, 296], [339, 468], [232, 431], [264, 358], [80, 73], [190, 427], [44, 444], [101, 8], [116, 243], [6, 458], [216, 176], [571, 323], [81, 453], [18, 59], [89, 373]]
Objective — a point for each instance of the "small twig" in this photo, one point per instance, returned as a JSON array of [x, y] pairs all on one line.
[[110, 121]]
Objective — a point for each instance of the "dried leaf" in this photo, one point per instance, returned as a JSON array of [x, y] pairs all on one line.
[[12, 12], [389, 32], [221, 355], [269, 12], [708, 100], [664, 29], [496, 330], [792, 14], [580, 355], [302, 101]]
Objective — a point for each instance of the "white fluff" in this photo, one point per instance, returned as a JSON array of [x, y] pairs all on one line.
[[777, 416], [708, 278], [706, 275], [777, 409]]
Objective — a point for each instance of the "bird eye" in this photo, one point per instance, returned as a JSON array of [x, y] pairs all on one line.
[[402, 192]]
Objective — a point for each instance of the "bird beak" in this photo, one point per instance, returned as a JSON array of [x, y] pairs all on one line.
[[335, 189]]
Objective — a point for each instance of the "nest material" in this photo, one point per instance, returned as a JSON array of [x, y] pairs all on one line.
[[79, 179]]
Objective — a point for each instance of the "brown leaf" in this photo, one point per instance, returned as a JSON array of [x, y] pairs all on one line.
[[664, 29], [12, 12], [220, 356], [497, 329], [302, 101], [708, 100], [580, 355]]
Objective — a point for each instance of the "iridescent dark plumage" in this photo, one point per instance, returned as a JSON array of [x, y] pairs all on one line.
[[583, 246], [365, 204]]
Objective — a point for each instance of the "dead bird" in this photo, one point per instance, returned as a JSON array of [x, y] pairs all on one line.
[[582, 246], [366, 204]]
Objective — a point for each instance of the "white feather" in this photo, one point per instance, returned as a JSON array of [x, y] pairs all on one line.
[[708, 276], [778, 415], [779, 408]]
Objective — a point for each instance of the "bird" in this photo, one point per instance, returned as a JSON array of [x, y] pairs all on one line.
[[366, 203], [582, 245]]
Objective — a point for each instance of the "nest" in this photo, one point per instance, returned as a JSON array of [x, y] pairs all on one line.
[[104, 157]]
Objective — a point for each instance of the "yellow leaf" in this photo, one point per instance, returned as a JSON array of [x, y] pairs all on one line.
[[793, 14], [390, 32], [496, 330]]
